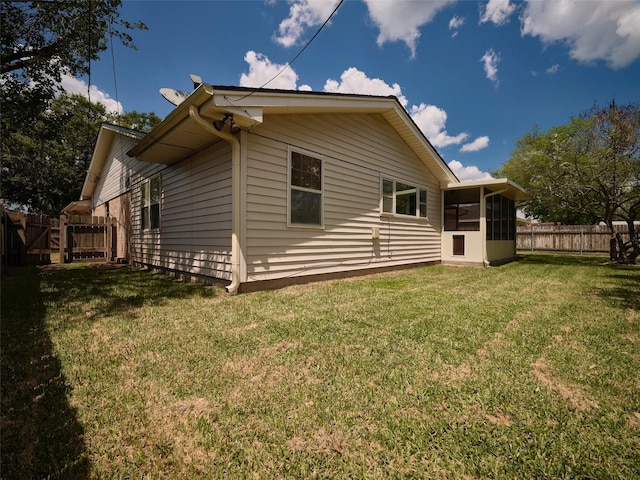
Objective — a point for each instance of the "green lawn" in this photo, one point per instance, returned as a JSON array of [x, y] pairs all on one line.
[[528, 370]]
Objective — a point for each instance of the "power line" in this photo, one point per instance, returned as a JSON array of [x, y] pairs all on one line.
[[298, 54], [113, 65]]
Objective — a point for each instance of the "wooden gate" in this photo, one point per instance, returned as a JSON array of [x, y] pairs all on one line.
[[87, 238], [25, 239]]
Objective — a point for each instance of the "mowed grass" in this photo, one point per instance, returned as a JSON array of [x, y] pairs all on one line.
[[528, 370]]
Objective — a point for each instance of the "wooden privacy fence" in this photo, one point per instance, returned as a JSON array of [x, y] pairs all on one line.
[[26, 238], [567, 238], [87, 238]]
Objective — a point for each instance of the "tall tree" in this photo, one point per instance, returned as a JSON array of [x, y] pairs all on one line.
[[43, 39], [44, 163], [47, 140], [585, 171]]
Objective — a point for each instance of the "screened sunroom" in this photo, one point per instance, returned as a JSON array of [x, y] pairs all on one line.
[[479, 224]]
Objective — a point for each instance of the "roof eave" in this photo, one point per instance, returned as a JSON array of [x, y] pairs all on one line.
[[511, 189], [177, 115], [249, 105], [99, 158]]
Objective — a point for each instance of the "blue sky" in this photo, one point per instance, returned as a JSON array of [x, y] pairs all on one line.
[[474, 76]]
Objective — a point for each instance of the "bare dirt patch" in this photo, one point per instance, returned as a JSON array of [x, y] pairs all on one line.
[[322, 441], [573, 394]]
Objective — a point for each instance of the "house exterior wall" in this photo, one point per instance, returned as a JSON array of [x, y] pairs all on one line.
[[357, 152], [473, 246], [499, 250], [115, 179], [195, 221], [112, 195]]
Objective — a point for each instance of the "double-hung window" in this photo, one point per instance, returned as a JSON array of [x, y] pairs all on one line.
[[305, 190], [150, 194], [400, 198]]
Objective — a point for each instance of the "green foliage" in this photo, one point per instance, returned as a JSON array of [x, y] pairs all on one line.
[[48, 137], [44, 163], [42, 40], [140, 121], [585, 171]]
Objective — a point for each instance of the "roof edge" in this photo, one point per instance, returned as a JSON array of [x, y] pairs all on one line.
[[512, 187]]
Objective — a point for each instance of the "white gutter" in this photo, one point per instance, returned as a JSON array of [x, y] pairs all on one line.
[[485, 261], [235, 195]]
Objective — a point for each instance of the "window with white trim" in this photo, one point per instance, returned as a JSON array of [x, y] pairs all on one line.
[[400, 198], [305, 190], [150, 193]]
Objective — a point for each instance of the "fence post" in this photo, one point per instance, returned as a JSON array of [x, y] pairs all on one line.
[[532, 238], [63, 238], [108, 240]]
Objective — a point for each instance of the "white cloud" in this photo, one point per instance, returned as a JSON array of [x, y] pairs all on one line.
[[76, 86], [490, 60], [467, 174], [261, 70], [432, 121], [455, 23], [498, 12], [400, 20], [553, 69], [303, 14], [478, 144], [353, 80], [595, 30]]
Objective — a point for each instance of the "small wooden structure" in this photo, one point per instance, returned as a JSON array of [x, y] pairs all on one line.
[[87, 238]]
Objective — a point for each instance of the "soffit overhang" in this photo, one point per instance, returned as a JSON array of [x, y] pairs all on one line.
[[503, 186]]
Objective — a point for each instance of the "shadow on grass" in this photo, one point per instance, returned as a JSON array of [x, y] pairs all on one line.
[[41, 434], [624, 288], [563, 259], [118, 291]]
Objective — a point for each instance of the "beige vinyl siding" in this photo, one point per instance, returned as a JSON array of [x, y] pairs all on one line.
[[195, 220], [357, 151], [116, 171]]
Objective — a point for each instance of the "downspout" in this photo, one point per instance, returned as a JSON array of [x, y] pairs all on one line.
[[235, 195], [485, 260]]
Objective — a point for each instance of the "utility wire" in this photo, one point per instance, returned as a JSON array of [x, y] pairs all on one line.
[[113, 65], [298, 54]]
